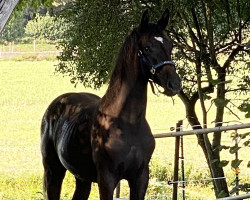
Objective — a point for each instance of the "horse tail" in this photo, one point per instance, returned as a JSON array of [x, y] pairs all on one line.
[[54, 171], [44, 150]]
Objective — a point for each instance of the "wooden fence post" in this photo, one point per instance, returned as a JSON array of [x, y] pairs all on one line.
[[176, 164], [236, 158], [182, 162]]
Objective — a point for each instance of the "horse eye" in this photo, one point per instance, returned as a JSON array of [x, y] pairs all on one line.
[[146, 49]]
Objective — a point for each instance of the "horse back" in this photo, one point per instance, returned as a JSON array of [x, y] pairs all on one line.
[[66, 127]]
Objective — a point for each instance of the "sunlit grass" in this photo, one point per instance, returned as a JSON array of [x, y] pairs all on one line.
[[26, 89]]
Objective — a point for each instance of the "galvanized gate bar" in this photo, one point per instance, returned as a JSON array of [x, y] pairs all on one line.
[[242, 196], [176, 163], [203, 131]]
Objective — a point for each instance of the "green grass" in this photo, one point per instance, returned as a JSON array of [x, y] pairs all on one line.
[[26, 89]]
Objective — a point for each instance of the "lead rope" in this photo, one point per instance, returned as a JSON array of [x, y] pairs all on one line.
[[152, 84], [152, 87]]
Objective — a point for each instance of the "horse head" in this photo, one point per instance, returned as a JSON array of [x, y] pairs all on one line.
[[154, 51]]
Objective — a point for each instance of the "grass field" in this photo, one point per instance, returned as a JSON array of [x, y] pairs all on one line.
[[26, 89]]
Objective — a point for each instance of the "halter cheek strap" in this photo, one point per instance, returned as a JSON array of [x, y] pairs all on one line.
[[152, 68]]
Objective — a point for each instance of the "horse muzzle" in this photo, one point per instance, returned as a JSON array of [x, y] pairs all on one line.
[[169, 80]]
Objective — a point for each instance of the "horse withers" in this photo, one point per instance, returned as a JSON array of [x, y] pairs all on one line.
[[107, 139]]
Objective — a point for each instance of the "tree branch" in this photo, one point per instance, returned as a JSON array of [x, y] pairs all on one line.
[[191, 33], [209, 89], [197, 26], [210, 33], [240, 20], [233, 113], [238, 89], [226, 45], [181, 39], [227, 8], [245, 23], [232, 55], [200, 93]]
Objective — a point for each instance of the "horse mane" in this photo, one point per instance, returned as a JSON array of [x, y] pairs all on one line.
[[126, 60], [124, 70]]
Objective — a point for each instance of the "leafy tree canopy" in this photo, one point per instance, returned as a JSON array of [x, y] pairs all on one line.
[[95, 31], [97, 28]]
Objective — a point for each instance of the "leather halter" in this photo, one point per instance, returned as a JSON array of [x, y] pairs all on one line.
[[152, 68]]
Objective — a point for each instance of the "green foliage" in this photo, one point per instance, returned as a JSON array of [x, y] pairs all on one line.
[[223, 163], [234, 149], [221, 102], [95, 31], [35, 27], [239, 139], [245, 187], [45, 27], [245, 107], [159, 172], [14, 31], [35, 4], [235, 163], [224, 22], [42, 25], [158, 190], [53, 29]]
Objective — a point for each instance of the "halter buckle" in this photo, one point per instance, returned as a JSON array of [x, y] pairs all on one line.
[[152, 70], [139, 53]]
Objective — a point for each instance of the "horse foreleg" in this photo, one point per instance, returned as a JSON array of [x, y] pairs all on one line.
[[106, 184], [82, 190], [138, 185]]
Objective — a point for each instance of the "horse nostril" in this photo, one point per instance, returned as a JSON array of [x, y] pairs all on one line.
[[170, 85], [174, 86]]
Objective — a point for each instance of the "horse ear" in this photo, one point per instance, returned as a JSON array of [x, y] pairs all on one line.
[[144, 21], [163, 22]]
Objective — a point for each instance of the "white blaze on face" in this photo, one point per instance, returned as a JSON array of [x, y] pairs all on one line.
[[160, 39]]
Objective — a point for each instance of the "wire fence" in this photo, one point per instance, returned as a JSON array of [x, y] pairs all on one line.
[[9, 54], [179, 156], [23, 151], [181, 184]]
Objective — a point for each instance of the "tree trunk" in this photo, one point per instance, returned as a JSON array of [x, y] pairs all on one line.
[[220, 185], [6, 8]]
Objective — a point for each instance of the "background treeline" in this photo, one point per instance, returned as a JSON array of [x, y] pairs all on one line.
[[29, 25]]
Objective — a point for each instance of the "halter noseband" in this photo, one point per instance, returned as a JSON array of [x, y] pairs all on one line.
[[152, 68]]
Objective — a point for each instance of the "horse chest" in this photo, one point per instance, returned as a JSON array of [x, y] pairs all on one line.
[[125, 147]]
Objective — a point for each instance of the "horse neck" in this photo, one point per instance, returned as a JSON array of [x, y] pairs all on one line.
[[126, 98]]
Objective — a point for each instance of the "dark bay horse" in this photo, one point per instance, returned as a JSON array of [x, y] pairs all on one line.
[[107, 139]]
